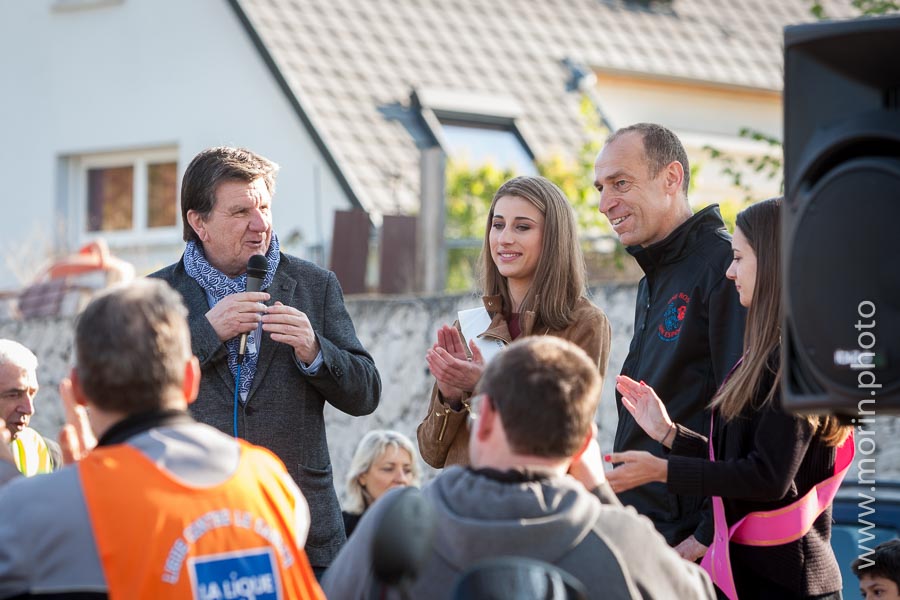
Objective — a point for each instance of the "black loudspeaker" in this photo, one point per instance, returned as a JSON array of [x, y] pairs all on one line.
[[841, 217]]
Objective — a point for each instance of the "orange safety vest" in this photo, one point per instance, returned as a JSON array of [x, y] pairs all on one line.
[[159, 537]]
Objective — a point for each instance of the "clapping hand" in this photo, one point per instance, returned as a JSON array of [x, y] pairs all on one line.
[[645, 406], [454, 371]]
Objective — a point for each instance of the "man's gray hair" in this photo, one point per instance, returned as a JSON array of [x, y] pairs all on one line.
[[12, 352]]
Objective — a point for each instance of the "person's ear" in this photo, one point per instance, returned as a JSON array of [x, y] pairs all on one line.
[[361, 480], [195, 220], [191, 385], [674, 177], [592, 431], [487, 418], [77, 392]]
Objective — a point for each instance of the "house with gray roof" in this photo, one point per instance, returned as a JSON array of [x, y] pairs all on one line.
[[108, 100]]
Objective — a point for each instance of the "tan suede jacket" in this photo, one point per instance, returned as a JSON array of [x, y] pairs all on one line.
[[444, 432]]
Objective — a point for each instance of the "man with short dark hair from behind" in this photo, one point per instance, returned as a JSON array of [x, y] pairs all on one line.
[[879, 572], [535, 489], [163, 507], [689, 323]]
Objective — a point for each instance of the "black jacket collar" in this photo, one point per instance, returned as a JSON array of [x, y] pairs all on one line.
[[680, 242], [517, 475], [132, 425]]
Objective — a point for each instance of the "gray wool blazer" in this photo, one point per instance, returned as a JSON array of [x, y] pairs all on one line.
[[284, 408]]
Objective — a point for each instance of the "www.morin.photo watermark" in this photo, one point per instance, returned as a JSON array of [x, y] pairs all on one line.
[[868, 386]]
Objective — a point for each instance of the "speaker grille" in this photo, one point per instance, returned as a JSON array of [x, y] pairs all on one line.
[[844, 251]]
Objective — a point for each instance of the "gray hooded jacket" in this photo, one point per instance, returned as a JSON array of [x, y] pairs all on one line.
[[612, 550]]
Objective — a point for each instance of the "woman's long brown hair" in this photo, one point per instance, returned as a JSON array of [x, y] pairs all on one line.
[[760, 224], [559, 279]]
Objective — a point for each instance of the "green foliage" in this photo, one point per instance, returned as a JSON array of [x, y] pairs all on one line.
[[575, 177], [469, 194], [462, 269], [729, 209], [769, 164], [875, 7], [866, 8]]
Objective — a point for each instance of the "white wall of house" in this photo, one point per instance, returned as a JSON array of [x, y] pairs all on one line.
[[89, 79]]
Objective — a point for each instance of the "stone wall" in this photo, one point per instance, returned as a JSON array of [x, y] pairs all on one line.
[[399, 352], [397, 331]]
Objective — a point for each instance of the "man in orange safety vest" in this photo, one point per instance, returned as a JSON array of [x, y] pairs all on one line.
[[163, 506]]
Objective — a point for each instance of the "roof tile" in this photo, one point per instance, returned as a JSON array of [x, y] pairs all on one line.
[[353, 63]]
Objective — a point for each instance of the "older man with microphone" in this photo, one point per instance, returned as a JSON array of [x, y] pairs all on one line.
[[275, 342]]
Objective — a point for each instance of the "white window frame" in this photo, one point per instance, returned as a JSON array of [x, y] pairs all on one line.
[[438, 107], [482, 123], [139, 232], [75, 5]]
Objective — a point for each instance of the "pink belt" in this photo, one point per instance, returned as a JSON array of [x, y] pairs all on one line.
[[770, 527]]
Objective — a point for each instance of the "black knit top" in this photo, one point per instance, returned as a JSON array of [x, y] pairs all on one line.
[[765, 459]]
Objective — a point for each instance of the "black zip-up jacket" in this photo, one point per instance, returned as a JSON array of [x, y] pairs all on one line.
[[688, 333]]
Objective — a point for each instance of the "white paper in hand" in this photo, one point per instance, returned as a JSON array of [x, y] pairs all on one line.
[[474, 322]]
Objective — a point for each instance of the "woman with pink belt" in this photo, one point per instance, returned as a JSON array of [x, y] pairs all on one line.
[[771, 474]]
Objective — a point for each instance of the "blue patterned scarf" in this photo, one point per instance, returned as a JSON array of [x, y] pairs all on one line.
[[217, 285]]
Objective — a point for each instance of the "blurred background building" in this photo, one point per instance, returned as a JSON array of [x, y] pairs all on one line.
[[362, 102]]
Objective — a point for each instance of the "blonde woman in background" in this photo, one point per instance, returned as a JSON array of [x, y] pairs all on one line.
[[383, 460]]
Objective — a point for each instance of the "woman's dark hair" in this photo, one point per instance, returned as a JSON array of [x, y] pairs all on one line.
[[761, 225]]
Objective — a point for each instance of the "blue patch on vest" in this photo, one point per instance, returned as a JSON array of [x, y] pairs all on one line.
[[673, 318], [244, 575]]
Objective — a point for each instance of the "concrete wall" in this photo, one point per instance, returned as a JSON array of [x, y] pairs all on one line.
[[400, 355], [99, 77], [399, 350]]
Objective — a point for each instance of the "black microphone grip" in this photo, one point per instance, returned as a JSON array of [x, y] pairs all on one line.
[[257, 267]]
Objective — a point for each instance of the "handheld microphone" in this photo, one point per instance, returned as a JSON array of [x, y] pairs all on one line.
[[257, 267], [402, 542]]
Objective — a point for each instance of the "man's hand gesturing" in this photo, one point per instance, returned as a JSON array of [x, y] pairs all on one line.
[[237, 313]]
